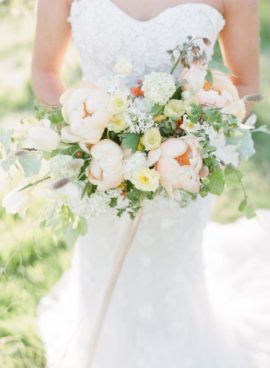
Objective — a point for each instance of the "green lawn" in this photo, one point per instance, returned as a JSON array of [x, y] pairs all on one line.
[[30, 262]]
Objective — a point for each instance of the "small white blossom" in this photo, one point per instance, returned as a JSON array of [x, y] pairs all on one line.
[[64, 166], [138, 121], [190, 127], [133, 162], [227, 153], [182, 197], [159, 87]]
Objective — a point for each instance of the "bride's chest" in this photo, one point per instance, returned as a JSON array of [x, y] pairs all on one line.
[[102, 32]]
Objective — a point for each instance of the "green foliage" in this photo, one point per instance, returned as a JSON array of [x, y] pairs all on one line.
[[216, 181], [131, 140], [30, 163]]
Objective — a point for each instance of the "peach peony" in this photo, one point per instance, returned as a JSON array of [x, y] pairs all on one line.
[[86, 112], [178, 162], [222, 93], [105, 169]]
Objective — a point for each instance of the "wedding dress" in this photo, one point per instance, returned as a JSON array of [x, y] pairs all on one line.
[[137, 294]]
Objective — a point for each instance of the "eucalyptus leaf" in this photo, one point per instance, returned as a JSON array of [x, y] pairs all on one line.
[[131, 140], [216, 181], [233, 176], [30, 163], [220, 66], [246, 208], [8, 161], [209, 76], [157, 109], [5, 139], [246, 146]]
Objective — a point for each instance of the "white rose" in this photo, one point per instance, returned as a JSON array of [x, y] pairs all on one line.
[[174, 109], [145, 179], [43, 137], [16, 201], [118, 103], [152, 139], [117, 124]]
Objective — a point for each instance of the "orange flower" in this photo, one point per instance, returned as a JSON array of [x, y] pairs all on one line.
[[178, 123], [137, 91]]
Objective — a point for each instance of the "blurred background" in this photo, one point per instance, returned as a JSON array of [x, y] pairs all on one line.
[[30, 260]]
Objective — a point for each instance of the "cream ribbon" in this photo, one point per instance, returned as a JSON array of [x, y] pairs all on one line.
[[120, 259]]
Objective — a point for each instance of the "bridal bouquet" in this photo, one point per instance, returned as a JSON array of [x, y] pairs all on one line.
[[179, 135]]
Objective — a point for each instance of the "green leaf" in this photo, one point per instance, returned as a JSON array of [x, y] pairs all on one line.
[[243, 205], [5, 139], [131, 140], [113, 202], [246, 147], [157, 109], [209, 76], [220, 66], [233, 176], [30, 163], [8, 162], [177, 94], [216, 181], [247, 209]]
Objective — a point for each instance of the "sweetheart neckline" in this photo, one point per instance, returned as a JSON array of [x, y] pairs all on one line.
[[166, 10]]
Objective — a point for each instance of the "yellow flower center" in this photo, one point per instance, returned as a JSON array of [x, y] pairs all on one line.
[[144, 179]]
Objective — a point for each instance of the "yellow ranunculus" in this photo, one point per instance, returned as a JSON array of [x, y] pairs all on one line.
[[146, 179], [117, 124], [159, 118], [174, 109], [152, 139], [118, 103]]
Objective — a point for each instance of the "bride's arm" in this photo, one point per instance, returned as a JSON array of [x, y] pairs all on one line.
[[240, 44], [51, 41]]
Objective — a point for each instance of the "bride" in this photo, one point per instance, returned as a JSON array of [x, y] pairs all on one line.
[[136, 295]]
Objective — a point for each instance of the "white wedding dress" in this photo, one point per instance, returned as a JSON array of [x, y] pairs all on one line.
[[147, 294]]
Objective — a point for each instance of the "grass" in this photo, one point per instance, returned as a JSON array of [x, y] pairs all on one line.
[[30, 262]]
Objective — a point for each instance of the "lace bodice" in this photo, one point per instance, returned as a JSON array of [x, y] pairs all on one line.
[[103, 32]]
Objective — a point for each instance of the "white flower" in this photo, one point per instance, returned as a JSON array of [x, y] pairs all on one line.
[[131, 163], [152, 139], [64, 166], [194, 76], [105, 169], [123, 67], [138, 121], [17, 201], [159, 87], [225, 152], [250, 123], [43, 137], [118, 103], [188, 126], [86, 112], [145, 179], [174, 109], [117, 124]]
